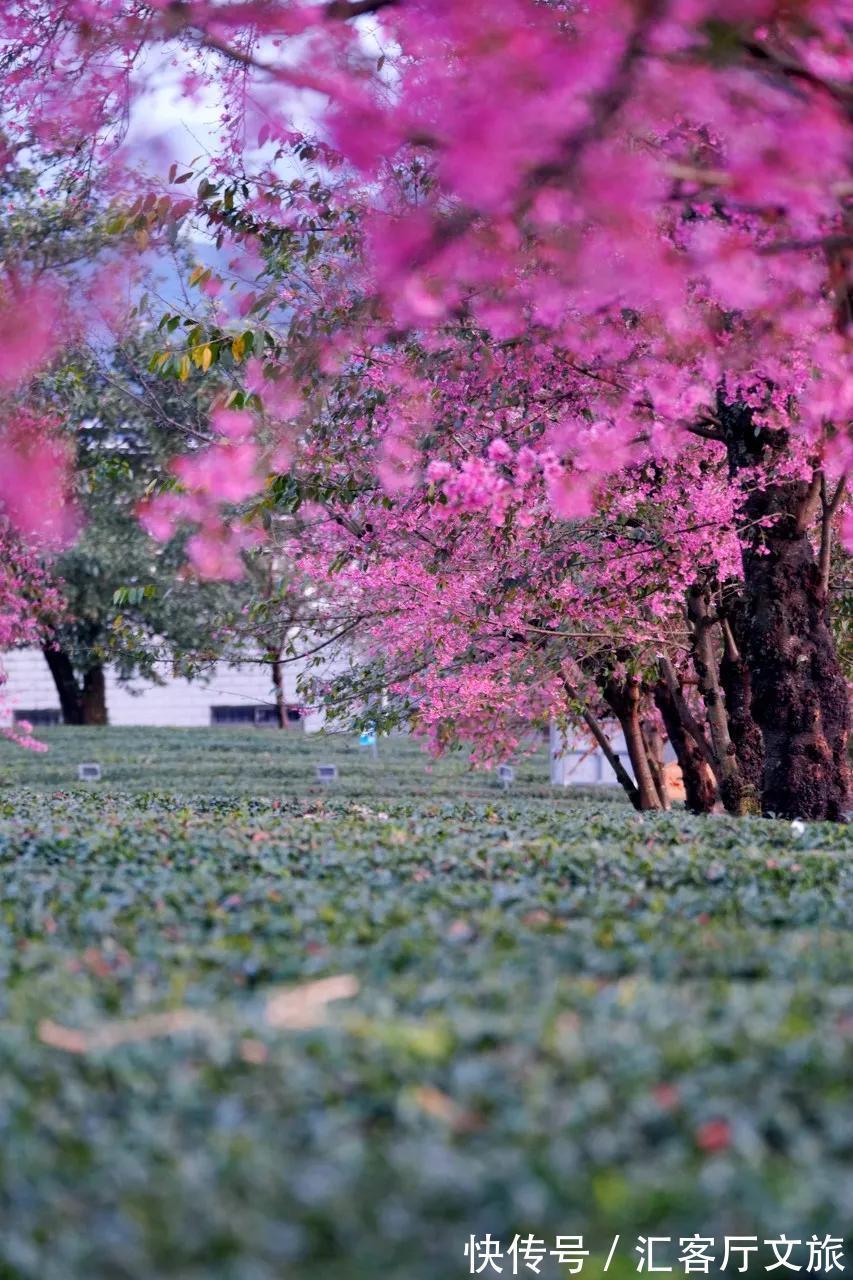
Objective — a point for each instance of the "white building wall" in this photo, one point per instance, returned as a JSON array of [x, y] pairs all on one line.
[[177, 702], [576, 762], [180, 703]]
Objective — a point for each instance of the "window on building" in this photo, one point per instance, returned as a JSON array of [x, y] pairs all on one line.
[[40, 716], [243, 714], [264, 715]]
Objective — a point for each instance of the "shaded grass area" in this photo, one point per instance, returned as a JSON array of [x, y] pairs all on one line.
[[568, 1019]]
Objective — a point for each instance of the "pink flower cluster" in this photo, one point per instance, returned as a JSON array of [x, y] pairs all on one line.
[[501, 294]]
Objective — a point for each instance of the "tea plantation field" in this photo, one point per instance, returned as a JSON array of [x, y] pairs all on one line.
[[259, 762], [250, 1029]]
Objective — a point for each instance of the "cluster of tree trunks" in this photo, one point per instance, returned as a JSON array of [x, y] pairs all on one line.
[[776, 708], [773, 738]]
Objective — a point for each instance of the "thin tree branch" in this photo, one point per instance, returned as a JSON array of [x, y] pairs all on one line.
[[706, 433], [346, 9]]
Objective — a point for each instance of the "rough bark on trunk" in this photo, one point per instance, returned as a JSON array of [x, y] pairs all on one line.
[[799, 695], [699, 783]]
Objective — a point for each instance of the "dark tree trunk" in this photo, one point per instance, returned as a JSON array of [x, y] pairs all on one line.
[[654, 754], [799, 695], [278, 685], [94, 699], [700, 787], [746, 735], [70, 700], [623, 698], [735, 792], [80, 704]]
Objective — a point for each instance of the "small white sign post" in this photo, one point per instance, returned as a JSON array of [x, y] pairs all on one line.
[[327, 773], [89, 772], [506, 774]]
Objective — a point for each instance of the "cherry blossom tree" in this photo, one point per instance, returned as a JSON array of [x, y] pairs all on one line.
[[28, 595], [643, 205]]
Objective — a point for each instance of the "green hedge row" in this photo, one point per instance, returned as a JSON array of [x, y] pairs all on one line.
[[263, 761], [567, 1021]]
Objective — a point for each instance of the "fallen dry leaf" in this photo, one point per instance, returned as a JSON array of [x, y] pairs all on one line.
[[254, 1051], [305, 1006], [287, 1008], [441, 1107], [110, 1035], [536, 917]]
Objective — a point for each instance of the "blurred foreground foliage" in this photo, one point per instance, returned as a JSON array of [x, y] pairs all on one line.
[[560, 1017]]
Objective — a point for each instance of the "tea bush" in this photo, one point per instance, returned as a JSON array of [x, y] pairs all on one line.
[[561, 1018]]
